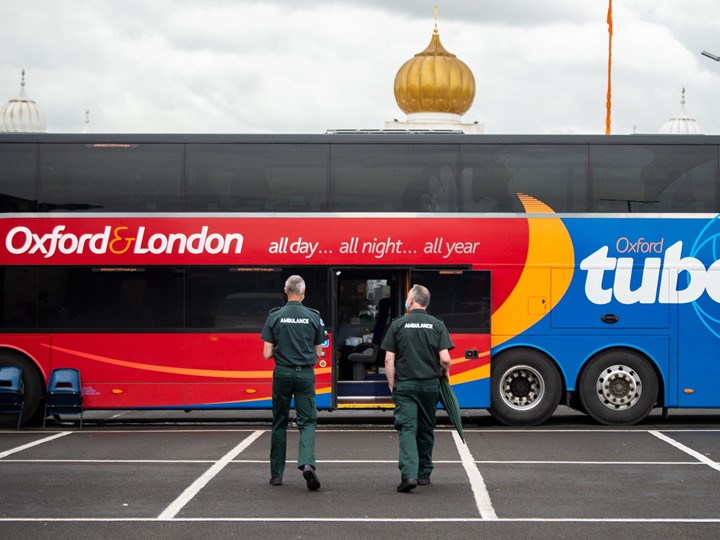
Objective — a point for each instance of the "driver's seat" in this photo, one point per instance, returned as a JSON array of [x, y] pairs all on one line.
[[361, 356]]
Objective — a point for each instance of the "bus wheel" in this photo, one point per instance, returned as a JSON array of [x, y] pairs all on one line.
[[33, 388], [525, 387], [618, 387]]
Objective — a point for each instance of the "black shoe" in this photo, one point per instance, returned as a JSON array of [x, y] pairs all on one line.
[[276, 481], [423, 481], [313, 483], [407, 485]]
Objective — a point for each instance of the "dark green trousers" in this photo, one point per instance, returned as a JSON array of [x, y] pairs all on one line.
[[415, 407], [300, 384]]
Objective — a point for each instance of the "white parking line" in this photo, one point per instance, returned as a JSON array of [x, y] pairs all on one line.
[[697, 455], [34, 443], [482, 497], [365, 462], [324, 519], [171, 511]]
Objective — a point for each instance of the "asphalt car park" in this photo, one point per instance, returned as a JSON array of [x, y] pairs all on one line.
[[155, 475]]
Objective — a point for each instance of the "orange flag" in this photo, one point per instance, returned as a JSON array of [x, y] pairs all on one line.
[[608, 104]]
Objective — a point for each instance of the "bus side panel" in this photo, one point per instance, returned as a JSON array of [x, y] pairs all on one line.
[[473, 395], [36, 347], [470, 370], [639, 277], [699, 351], [171, 370], [129, 395]]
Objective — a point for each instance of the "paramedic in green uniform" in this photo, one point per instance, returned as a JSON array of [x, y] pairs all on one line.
[[417, 349], [293, 336]]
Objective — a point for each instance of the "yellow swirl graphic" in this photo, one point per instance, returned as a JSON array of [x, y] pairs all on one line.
[[545, 277]]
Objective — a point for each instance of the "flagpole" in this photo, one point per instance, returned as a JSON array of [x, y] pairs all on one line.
[[608, 103]]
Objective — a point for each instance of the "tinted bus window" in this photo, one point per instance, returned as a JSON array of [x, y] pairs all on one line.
[[18, 297], [110, 298], [460, 299], [493, 175], [660, 178], [241, 298], [18, 177], [257, 177], [395, 178], [232, 298], [317, 293], [111, 177]]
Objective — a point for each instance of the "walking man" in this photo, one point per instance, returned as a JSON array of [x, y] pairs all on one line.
[[417, 349], [293, 336]]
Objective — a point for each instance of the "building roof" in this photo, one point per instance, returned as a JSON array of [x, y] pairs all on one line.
[[434, 81], [682, 124], [22, 115]]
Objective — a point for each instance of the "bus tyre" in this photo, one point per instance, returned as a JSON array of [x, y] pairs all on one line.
[[618, 387], [525, 387], [33, 389]]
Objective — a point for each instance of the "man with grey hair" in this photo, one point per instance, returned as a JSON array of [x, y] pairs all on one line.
[[417, 349], [293, 336]]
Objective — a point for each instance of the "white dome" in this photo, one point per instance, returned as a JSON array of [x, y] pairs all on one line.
[[22, 115], [682, 124]]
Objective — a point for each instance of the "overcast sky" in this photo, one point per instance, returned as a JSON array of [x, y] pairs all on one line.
[[301, 66]]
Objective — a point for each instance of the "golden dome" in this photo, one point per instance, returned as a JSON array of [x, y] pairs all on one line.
[[434, 81]]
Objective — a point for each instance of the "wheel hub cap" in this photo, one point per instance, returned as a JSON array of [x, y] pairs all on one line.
[[522, 388], [618, 387]]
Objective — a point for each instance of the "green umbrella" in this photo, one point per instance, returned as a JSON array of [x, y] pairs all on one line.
[[450, 403]]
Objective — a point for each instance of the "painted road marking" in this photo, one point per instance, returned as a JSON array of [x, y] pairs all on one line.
[[34, 443], [482, 497], [390, 520], [171, 511], [697, 455]]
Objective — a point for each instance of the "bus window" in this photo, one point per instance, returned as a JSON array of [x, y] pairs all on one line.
[[395, 178], [462, 303], [257, 178], [18, 294], [111, 177], [659, 178], [110, 298], [232, 298], [18, 187], [493, 175], [240, 299]]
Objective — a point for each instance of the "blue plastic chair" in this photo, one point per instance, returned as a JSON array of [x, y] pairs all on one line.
[[64, 394], [12, 394]]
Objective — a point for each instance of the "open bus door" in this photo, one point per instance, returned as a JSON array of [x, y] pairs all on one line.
[[368, 299]]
